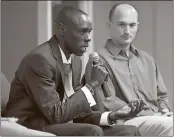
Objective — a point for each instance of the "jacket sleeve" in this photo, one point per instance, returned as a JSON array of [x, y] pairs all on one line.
[[38, 81]]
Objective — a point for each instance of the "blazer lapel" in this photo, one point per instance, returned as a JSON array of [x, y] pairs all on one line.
[[73, 71], [57, 55]]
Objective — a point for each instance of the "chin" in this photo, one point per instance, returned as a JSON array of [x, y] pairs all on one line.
[[126, 42], [79, 54]]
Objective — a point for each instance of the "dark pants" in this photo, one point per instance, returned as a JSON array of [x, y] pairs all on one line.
[[79, 129]]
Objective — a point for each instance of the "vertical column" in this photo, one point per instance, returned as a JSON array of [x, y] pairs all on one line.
[[87, 6], [44, 21]]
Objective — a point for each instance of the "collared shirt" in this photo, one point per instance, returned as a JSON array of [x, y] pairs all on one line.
[[137, 76], [86, 91], [71, 91]]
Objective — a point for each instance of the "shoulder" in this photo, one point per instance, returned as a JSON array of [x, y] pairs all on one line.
[[145, 55], [103, 51], [39, 59], [42, 54]]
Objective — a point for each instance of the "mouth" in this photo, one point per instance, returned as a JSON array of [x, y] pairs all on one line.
[[126, 36], [84, 48]]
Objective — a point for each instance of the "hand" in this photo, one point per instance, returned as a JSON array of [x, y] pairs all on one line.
[[166, 112], [136, 106], [98, 75], [169, 114], [130, 110]]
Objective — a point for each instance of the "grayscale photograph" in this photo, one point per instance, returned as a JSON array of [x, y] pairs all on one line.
[[87, 68]]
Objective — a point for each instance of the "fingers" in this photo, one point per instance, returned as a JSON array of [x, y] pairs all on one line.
[[142, 105], [101, 70], [169, 114], [126, 108], [135, 104]]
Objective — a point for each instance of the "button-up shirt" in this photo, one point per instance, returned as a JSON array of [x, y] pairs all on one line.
[[136, 75]]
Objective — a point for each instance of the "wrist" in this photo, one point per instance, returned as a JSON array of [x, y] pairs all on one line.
[[90, 88], [93, 84], [111, 118]]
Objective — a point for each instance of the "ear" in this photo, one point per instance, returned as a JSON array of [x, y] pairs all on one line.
[[109, 24], [61, 28], [138, 25]]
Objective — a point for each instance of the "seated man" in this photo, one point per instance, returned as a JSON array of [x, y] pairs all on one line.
[[46, 93], [134, 74]]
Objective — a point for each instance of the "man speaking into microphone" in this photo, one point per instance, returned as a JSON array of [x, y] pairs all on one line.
[[46, 93]]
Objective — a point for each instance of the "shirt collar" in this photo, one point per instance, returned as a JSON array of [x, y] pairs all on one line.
[[64, 59], [114, 50]]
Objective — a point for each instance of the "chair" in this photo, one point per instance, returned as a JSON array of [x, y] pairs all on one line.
[[9, 128]]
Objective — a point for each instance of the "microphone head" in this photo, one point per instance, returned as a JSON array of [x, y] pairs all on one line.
[[95, 57]]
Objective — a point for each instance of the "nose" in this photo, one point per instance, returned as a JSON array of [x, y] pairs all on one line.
[[127, 30], [87, 38]]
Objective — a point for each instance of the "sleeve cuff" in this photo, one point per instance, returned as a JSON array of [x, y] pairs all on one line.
[[89, 96], [104, 119]]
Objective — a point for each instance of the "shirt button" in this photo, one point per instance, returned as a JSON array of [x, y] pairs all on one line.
[[132, 74]]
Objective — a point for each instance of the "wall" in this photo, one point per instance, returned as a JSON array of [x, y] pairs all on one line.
[[18, 33], [154, 34], [164, 44]]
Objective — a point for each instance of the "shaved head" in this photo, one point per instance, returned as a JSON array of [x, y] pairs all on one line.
[[68, 15], [119, 9]]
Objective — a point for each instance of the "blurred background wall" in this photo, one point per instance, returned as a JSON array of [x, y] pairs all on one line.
[[26, 24]]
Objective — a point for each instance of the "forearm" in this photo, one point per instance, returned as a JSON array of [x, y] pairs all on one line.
[[74, 106], [163, 104]]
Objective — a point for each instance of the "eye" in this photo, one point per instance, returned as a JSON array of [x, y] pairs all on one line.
[[89, 31], [122, 25], [82, 31], [132, 25]]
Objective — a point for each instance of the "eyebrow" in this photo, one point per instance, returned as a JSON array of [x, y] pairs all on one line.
[[86, 29], [127, 23]]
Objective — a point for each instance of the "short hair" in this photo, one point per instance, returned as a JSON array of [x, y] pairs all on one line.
[[66, 13], [111, 12]]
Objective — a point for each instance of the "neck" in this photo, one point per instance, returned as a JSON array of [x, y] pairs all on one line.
[[124, 47], [64, 49]]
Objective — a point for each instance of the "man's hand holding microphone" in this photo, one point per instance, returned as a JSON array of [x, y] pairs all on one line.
[[98, 73]]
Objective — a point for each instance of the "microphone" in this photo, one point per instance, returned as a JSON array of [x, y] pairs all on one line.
[[95, 57], [96, 61]]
